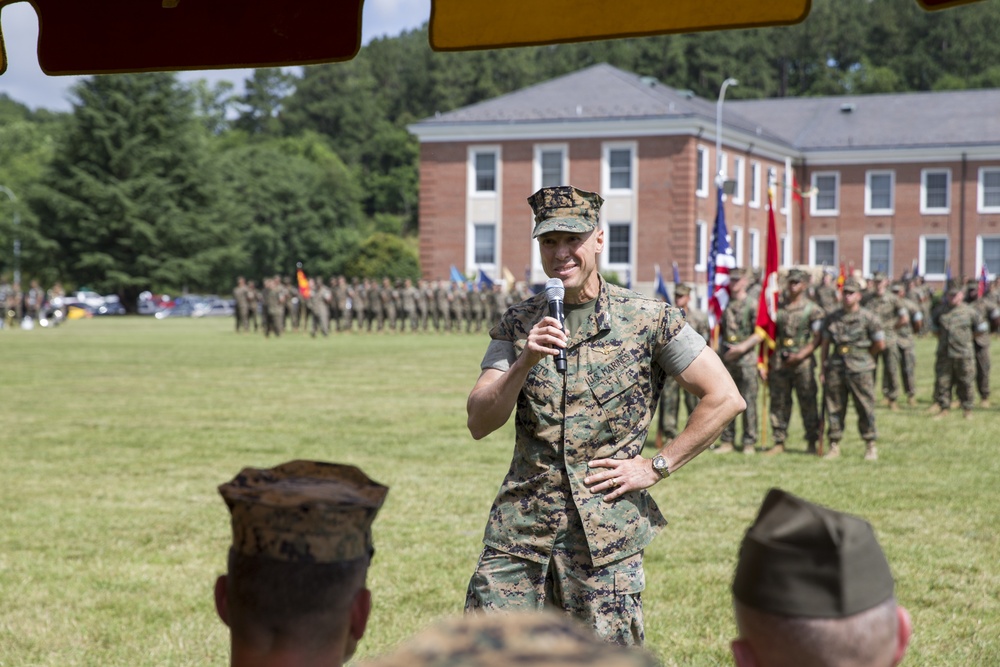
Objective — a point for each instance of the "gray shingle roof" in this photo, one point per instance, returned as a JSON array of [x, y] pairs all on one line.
[[605, 93]]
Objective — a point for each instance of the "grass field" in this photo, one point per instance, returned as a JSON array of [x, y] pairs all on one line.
[[116, 433]]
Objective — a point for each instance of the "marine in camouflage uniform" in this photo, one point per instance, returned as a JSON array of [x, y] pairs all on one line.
[[893, 315], [826, 296], [242, 305], [904, 342], [793, 366], [851, 338], [955, 323], [253, 304], [321, 297], [573, 515], [989, 311], [670, 397], [738, 349]]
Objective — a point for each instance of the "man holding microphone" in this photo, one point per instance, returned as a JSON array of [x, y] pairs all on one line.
[[572, 517]]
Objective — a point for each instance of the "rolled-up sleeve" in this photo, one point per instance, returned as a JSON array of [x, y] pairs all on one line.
[[681, 350], [499, 355]]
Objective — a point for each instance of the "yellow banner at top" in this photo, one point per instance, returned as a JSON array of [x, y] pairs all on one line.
[[487, 24]]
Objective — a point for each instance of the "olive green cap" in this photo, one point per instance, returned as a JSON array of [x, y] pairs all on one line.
[[852, 285], [797, 276], [303, 511], [805, 560], [681, 289], [503, 639], [565, 209]]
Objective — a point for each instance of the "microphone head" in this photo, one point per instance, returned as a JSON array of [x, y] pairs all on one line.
[[554, 290]]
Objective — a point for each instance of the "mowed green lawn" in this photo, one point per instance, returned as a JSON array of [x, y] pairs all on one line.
[[116, 433]]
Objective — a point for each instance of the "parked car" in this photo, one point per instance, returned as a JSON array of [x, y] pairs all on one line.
[[215, 307], [112, 306]]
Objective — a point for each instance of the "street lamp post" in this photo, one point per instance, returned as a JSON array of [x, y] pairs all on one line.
[[17, 241], [718, 130]]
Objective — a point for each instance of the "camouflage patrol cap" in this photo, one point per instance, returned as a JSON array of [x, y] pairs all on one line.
[[797, 276], [682, 289], [501, 639], [740, 272], [565, 209], [898, 286], [879, 276], [852, 285], [805, 560], [303, 511]]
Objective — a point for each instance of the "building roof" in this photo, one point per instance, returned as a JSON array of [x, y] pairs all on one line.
[[808, 124]]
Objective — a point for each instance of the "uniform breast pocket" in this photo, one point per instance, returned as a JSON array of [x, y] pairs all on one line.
[[623, 402]]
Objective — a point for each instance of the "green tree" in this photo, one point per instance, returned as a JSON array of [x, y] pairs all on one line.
[[126, 198], [384, 255]]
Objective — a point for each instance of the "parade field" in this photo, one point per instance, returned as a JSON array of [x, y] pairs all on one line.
[[117, 431]]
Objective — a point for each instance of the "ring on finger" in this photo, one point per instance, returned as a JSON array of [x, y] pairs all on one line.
[[614, 481]]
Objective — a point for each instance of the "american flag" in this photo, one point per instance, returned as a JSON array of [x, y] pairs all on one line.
[[720, 262]]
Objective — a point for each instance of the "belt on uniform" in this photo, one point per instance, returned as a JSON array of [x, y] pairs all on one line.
[[732, 339], [846, 349], [789, 342]]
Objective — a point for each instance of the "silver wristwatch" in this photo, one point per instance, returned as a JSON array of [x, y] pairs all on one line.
[[661, 466]]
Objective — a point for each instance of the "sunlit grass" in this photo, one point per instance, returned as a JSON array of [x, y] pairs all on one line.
[[116, 433]]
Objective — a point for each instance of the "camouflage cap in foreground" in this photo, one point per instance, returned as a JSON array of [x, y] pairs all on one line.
[[303, 511], [805, 560], [503, 639], [852, 285], [565, 209]]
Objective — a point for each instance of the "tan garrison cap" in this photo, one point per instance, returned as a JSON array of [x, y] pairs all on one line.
[[681, 289], [852, 285], [565, 209], [504, 639], [801, 559], [303, 511]]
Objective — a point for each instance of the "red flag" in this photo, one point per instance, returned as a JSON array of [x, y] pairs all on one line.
[[300, 276], [797, 194], [767, 308], [984, 279]]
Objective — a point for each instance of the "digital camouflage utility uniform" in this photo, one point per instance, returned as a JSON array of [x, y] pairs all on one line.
[[888, 308], [549, 538], [738, 323], [796, 325], [850, 370], [904, 343], [987, 310], [955, 363]]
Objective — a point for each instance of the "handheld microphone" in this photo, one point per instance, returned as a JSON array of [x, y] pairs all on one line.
[[554, 294]]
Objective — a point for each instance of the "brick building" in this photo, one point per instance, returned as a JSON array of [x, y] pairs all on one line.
[[894, 179]]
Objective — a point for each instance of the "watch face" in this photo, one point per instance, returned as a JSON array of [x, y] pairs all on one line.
[[660, 464]]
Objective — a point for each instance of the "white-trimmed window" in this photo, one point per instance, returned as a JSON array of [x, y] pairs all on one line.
[[738, 245], [551, 165], [935, 191], [484, 170], [786, 192], [754, 184], [826, 201], [618, 167], [700, 246], [701, 178], [823, 251], [485, 244], [988, 252], [739, 167], [989, 190], [618, 240], [755, 248], [934, 256], [784, 250], [878, 254], [879, 192]]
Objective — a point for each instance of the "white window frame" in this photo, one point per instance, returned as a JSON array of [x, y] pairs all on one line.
[[981, 206], [618, 267], [497, 182], [869, 210], [786, 193], [784, 249], [754, 184], [701, 189], [739, 168], [922, 258], [606, 149], [927, 210], [814, 200], [537, 165], [866, 265], [991, 272], [755, 248], [812, 248], [701, 229], [487, 266], [738, 245]]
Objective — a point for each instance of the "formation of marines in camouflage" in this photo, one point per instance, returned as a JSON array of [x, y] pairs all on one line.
[[370, 306]]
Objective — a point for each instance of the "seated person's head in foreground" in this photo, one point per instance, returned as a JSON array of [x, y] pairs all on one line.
[[295, 591], [813, 588], [502, 639]]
